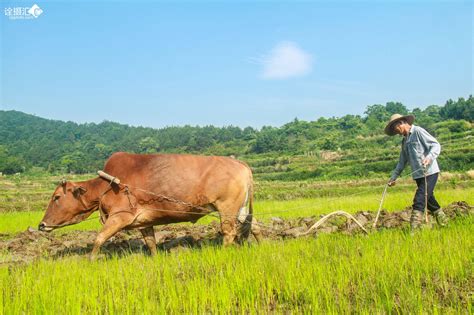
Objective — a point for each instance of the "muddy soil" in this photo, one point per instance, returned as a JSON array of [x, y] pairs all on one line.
[[31, 244]]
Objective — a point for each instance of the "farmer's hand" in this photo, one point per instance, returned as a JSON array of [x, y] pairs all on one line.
[[391, 183], [426, 161]]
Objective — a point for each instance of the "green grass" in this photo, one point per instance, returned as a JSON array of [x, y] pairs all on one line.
[[364, 199], [385, 272], [289, 190], [394, 201], [12, 222]]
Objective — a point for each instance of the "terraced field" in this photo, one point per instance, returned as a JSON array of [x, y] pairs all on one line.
[[368, 160], [335, 269]]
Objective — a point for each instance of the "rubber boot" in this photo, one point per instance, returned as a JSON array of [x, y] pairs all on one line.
[[441, 217], [416, 220]]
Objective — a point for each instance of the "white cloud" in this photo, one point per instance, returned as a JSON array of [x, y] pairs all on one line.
[[286, 60]]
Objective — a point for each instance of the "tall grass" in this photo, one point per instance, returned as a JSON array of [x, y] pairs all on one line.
[[11, 222], [385, 272], [362, 200]]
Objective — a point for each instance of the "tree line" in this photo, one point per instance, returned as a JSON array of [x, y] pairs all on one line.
[[27, 141]]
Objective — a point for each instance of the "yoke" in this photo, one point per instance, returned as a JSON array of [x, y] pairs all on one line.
[[109, 177]]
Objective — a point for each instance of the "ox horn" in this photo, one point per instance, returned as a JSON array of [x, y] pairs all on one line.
[[63, 182]]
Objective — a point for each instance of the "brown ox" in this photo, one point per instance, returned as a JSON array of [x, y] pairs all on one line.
[[158, 189]]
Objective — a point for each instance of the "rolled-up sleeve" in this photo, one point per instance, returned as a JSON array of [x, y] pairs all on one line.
[[434, 148], [401, 163]]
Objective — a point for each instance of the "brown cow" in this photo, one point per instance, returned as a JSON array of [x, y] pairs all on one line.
[[158, 189]]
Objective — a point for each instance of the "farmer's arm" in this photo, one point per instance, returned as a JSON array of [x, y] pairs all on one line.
[[400, 166]]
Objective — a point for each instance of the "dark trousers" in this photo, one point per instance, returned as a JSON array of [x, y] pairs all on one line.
[[419, 200]]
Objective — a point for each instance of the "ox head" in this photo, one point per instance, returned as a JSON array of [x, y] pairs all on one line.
[[66, 207]]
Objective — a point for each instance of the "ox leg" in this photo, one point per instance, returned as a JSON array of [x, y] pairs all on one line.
[[150, 240], [110, 228], [229, 212], [229, 229]]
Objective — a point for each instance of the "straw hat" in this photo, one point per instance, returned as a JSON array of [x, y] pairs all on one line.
[[396, 118]]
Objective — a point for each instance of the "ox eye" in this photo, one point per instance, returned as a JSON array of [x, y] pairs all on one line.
[[56, 197]]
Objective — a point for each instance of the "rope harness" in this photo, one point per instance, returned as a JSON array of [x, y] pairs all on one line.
[[205, 211], [103, 216]]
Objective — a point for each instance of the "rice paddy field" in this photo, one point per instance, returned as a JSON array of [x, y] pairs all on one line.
[[387, 271]]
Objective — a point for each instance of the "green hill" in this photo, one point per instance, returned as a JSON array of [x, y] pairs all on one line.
[[346, 147]]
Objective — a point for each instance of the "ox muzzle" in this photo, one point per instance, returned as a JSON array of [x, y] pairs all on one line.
[[44, 228]]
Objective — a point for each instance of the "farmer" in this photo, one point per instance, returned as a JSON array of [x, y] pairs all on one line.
[[420, 149]]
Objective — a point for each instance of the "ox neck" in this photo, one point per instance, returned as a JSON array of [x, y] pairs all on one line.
[[96, 188]]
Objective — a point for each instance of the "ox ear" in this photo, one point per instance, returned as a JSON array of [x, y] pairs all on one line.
[[78, 190]]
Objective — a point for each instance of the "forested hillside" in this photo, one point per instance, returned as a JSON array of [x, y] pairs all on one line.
[[348, 146]]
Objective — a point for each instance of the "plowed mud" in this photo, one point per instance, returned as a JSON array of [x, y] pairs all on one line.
[[27, 246]]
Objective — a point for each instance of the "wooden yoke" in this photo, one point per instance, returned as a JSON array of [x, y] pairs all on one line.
[[109, 177]]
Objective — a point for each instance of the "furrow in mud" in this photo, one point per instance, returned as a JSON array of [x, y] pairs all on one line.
[[31, 245]]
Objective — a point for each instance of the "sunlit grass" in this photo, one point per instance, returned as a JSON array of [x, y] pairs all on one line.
[[385, 272], [394, 201], [11, 222]]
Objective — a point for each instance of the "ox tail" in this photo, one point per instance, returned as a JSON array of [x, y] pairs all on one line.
[[247, 223]]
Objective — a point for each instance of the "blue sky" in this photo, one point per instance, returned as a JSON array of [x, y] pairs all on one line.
[[237, 63]]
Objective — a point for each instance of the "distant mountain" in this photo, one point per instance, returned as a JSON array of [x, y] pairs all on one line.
[[28, 141]]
